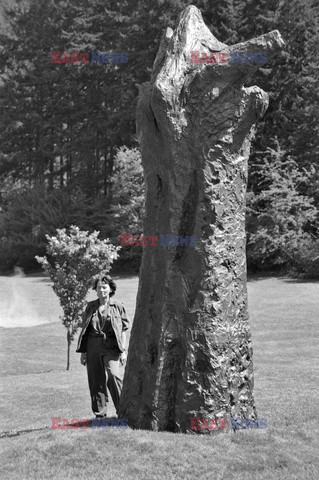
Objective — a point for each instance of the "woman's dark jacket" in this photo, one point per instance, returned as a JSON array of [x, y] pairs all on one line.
[[119, 320]]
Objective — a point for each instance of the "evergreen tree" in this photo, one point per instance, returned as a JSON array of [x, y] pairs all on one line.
[[31, 97], [129, 192], [62, 124], [282, 223]]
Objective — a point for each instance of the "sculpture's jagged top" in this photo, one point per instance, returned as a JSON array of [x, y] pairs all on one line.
[[191, 27], [172, 68], [191, 34]]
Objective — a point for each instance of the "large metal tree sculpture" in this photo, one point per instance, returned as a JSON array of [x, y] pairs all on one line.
[[190, 350]]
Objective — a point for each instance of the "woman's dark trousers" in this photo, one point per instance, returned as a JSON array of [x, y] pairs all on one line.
[[104, 371]]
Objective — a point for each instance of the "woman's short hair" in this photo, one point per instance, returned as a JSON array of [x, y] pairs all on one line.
[[105, 279]]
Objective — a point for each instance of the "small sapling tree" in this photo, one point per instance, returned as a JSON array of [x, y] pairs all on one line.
[[73, 258]]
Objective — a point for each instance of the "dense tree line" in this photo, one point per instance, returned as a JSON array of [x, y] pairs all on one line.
[[67, 130]]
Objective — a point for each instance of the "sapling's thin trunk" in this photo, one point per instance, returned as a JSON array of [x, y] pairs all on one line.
[[69, 340]]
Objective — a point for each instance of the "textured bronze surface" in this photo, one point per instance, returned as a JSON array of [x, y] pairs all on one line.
[[190, 350]]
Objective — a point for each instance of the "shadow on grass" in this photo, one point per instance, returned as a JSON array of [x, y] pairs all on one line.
[[257, 277], [300, 280], [16, 433]]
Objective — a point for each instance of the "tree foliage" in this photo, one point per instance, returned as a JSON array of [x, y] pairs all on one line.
[[128, 205], [73, 258], [282, 223], [61, 125], [128, 191]]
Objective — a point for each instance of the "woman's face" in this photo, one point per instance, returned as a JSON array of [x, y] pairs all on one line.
[[103, 290]]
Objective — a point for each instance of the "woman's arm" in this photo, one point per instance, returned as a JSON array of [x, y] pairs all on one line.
[[126, 325], [83, 359], [82, 324]]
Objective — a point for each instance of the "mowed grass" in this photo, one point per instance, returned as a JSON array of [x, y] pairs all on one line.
[[35, 387]]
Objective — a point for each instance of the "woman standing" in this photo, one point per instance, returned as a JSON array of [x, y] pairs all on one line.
[[102, 344]]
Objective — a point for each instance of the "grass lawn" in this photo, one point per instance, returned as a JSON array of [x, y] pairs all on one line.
[[36, 387]]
